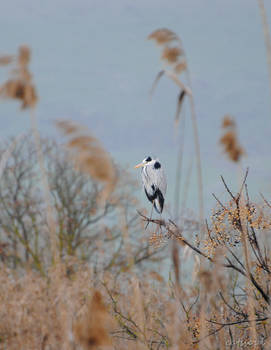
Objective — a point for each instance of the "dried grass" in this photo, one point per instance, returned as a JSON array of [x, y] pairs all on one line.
[[90, 156], [38, 314], [230, 141], [35, 314], [93, 327], [172, 51], [5, 60], [162, 36], [171, 54], [180, 67], [20, 85]]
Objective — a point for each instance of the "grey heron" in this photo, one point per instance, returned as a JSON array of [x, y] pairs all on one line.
[[154, 182]]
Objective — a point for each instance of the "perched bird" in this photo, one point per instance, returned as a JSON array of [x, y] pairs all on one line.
[[154, 182]]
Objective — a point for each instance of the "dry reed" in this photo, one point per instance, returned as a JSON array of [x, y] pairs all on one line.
[[229, 139], [90, 157], [173, 54], [92, 328], [267, 38], [172, 51], [162, 36], [20, 85]]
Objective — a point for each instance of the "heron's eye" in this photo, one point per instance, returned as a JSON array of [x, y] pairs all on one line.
[[157, 165], [148, 159]]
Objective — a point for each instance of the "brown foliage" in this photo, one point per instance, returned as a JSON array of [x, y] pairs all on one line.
[[162, 36], [90, 156], [171, 54], [5, 60], [229, 140], [180, 67], [92, 330], [172, 50], [41, 313], [20, 85], [228, 121]]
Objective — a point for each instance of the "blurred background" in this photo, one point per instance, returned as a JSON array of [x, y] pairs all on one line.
[[92, 63]]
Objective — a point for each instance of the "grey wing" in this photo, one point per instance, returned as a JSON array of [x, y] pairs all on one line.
[[159, 179]]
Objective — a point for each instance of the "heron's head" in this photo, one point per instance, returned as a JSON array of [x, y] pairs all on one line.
[[146, 161]]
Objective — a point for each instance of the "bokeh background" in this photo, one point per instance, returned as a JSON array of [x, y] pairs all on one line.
[[92, 63]]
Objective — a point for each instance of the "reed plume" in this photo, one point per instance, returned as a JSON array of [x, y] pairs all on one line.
[[20, 85], [92, 329], [172, 53], [6, 59], [162, 36], [229, 139], [90, 156]]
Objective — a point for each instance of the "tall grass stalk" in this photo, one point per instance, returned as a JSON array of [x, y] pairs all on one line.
[[186, 186], [179, 169], [248, 262], [267, 38], [189, 93], [198, 156], [46, 189]]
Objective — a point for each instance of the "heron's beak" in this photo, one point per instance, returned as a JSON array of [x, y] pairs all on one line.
[[140, 165]]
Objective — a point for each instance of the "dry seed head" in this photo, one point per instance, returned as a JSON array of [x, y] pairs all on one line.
[[17, 89], [13, 89], [90, 156], [228, 121], [156, 240], [231, 146], [172, 51], [20, 85], [180, 67], [92, 330], [206, 278], [5, 60], [156, 276], [67, 127], [230, 141], [30, 97], [24, 55], [171, 54], [162, 36]]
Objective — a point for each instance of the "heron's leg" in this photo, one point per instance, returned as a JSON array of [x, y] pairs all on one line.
[[160, 225], [150, 217], [152, 208]]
